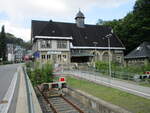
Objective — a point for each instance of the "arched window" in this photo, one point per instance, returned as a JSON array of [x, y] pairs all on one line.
[[105, 57], [96, 56]]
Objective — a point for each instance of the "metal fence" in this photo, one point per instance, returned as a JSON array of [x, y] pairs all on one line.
[[29, 92], [114, 74]]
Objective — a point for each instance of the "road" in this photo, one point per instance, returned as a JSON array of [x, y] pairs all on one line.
[[6, 75], [115, 83]]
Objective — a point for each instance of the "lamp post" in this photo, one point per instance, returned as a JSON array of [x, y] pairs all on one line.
[[95, 43], [108, 37]]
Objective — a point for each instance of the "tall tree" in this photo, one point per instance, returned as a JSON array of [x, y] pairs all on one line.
[[141, 14], [3, 43], [134, 28], [0, 47]]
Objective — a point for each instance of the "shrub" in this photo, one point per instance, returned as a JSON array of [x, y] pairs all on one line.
[[120, 71], [29, 64], [40, 73], [101, 65], [47, 70]]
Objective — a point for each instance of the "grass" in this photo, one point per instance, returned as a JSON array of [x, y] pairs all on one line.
[[144, 84], [128, 101]]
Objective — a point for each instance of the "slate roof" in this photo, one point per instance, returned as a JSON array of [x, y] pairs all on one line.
[[83, 37], [142, 51]]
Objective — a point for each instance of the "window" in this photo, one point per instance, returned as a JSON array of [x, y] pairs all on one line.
[[48, 44], [118, 59], [45, 44], [48, 56], [43, 56], [61, 44]]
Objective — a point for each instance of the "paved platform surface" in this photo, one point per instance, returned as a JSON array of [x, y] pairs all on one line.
[[13, 92], [22, 101]]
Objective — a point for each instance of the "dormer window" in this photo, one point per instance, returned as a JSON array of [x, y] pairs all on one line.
[[86, 37], [138, 48], [53, 31]]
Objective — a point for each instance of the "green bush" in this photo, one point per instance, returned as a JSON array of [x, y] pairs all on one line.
[[40, 73], [101, 65], [47, 70], [29, 64]]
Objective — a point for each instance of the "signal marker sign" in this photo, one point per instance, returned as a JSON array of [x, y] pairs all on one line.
[[62, 79]]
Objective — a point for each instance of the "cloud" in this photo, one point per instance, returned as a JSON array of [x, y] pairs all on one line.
[[36, 8], [19, 32], [20, 12]]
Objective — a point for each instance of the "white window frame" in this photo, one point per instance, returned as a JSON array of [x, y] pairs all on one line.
[[61, 44]]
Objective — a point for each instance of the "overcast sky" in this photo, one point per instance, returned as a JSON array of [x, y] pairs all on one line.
[[16, 15]]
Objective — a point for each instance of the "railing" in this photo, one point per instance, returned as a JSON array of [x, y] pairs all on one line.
[[31, 108], [114, 74]]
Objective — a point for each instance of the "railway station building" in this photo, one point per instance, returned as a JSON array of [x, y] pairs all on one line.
[[77, 42]]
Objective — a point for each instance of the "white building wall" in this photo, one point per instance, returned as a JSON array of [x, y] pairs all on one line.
[[10, 57]]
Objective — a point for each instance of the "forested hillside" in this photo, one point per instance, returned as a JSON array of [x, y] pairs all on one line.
[[134, 28], [10, 38], [6, 38]]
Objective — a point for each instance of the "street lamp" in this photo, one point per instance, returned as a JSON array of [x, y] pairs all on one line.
[[95, 43], [108, 37]]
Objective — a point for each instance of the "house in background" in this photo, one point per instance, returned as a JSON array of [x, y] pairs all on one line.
[[139, 56], [19, 53], [15, 52], [10, 52], [74, 42]]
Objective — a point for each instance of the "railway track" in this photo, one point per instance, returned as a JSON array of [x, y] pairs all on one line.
[[57, 104], [43, 103]]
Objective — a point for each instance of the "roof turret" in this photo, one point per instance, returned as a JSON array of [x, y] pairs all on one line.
[[79, 15]]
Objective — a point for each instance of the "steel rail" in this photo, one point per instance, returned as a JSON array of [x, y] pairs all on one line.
[[66, 100], [46, 98], [76, 107]]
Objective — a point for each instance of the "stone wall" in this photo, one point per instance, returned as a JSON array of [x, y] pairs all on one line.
[[96, 104], [137, 62]]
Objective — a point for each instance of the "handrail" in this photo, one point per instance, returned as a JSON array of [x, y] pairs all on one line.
[[29, 92]]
